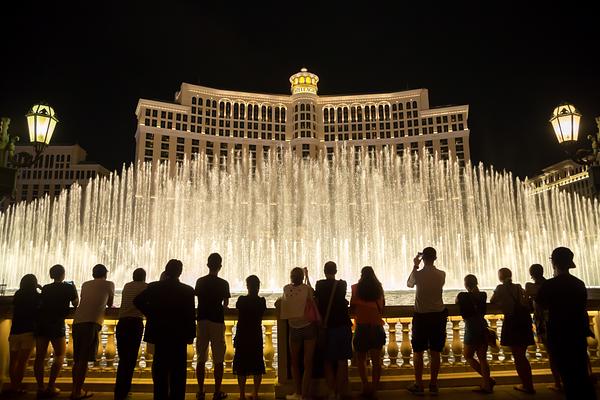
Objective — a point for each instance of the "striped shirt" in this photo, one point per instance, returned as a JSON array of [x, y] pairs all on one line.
[[130, 291]]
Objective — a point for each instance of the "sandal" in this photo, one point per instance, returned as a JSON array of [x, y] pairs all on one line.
[[85, 395]]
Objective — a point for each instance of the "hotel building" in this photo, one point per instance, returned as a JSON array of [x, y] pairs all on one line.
[[569, 176], [226, 125], [58, 168]]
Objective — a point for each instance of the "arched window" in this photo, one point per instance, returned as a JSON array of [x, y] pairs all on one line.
[[367, 113], [339, 115], [359, 114], [242, 110], [414, 104], [228, 110], [387, 112], [194, 100], [326, 115], [353, 114], [199, 101], [345, 114], [263, 113], [408, 105], [221, 109], [302, 107], [381, 116], [214, 104], [296, 108], [250, 112], [276, 114], [236, 111], [256, 112], [269, 113], [283, 115]]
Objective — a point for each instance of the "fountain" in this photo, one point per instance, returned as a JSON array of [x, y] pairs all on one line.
[[295, 212]]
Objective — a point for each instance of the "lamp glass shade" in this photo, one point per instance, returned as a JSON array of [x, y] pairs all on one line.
[[565, 122], [41, 121]]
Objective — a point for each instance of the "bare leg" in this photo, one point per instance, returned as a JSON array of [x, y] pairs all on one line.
[[242, 386], [257, 382], [376, 372], [555, 374], [41, 349], [21, 365], [218, 369], [200, 373], [13, 366], [59, 346], [330, 376], [484, 367], [309, 351], [434, 366], [522, 366], [341, 377], [79, 372], [295, 355], [470, 357], [362, 370], [418, 362]]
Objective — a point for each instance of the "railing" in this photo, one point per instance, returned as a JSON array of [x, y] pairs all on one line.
[[397, 357]]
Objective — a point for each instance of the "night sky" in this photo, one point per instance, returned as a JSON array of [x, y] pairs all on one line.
[[511, 65]]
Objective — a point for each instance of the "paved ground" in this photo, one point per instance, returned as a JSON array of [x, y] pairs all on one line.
[[501, 392]]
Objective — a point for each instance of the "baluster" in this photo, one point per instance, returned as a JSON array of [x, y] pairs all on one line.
[[100, 351], [69, 350], [405, 346], [507, 354], [111, 348], [229, 345], [457, 345], [149, 355], [191, 352], [269, 349], [392, 347], [445, 354], [592, 342], [140, 357], [494, 350], [353, 361]]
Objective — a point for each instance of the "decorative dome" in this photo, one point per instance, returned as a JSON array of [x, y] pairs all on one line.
[[304, 82]]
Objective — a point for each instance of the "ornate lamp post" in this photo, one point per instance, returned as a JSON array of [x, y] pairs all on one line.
[[41, 121], [565, 121]]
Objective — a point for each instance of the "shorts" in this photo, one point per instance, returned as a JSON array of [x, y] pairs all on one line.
[[368, 337], [309, 332], [213, 333], [85, 341], [339, 343], [51, 329], [429, 331], [21, 341]]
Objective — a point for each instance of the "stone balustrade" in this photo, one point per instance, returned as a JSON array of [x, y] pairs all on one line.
[[397, 357]]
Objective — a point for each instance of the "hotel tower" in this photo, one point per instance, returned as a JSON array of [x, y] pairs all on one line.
[[227, 125]]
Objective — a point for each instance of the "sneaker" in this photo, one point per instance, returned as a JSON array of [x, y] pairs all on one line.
[[219, 396], [434, 390], [294, 396], [416, 390]]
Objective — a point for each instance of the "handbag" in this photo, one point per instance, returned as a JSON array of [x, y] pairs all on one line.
[[311, 312], [322, 336]]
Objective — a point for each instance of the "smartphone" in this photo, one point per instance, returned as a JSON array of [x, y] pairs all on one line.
[[419, 254]]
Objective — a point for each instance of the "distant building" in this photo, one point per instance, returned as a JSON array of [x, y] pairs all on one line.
[[57, 169], [569, 176], [228, 125]]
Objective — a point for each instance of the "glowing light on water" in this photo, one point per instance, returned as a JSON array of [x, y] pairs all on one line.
[[300, 213]]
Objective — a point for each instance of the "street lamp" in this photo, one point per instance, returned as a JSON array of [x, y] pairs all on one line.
[[41, 121], [565, 121]]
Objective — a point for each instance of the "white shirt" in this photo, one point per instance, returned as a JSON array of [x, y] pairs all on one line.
[[430, 283], [130, 291], [293, 303], [95, 295]]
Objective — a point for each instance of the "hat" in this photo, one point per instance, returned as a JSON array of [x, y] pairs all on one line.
[[562, 257]]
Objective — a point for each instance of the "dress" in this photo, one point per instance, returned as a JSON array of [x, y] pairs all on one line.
[[472, 309], [517, 326], [248, 341]]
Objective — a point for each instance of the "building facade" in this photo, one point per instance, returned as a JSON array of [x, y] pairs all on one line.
[[227, 126], [57, 169], [569, 176]]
